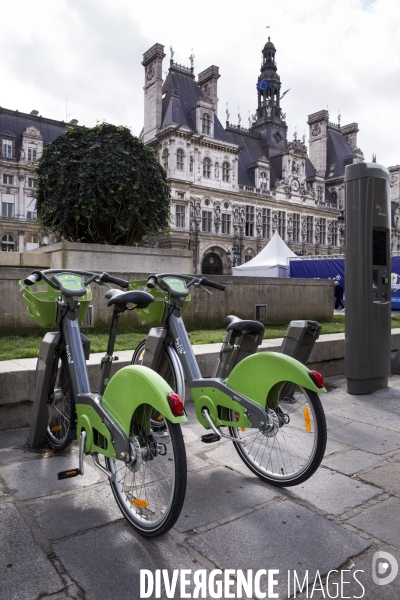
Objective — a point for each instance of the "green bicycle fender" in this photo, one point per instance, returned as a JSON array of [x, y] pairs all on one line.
[[256, 375], [133, 386]]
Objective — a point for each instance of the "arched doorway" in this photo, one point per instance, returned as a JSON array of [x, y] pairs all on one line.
[[212, 264]]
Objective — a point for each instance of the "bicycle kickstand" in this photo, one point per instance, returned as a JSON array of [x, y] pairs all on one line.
[[74, 472]]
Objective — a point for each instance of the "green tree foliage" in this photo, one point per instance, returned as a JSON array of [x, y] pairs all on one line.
[[101, 185]]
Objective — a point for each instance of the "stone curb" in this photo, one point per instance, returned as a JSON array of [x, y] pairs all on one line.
[[18, 376]]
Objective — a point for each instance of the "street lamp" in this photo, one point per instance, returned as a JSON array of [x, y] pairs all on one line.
[[233, 256]]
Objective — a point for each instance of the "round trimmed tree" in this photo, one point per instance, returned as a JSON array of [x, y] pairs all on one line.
[[101, 185]]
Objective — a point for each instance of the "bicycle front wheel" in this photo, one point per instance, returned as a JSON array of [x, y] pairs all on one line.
[[151, 491], [170, 369], [293, 450], [60, 406]]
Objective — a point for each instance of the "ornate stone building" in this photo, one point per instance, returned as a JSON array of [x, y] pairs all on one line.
[[23, 137], [233, 186]]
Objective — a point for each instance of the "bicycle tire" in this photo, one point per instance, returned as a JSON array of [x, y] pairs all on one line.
[[61, 407], [170, 370], [150, 494], [294, 451]]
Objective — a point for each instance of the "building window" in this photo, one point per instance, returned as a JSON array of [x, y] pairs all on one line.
[[32, 152], [249, 230], [7, 148], [320, 194], [226, 223], [263, 181], [296, 227], [248, 256], [7, 205], [31, 208], [206, 124], [8, 179], [225, 171], [7, 243], [179, 160], [334, 233], [31, 182], [206, 220], [164, 159], [179, 215], [310, 230], [207, 168], [180, 195], [322, 231], [266, 222], [282, 224], [32, 242], [216, 170], [191, 164]]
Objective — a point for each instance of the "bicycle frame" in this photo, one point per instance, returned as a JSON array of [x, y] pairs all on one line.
[[106, 419], [243, 392]]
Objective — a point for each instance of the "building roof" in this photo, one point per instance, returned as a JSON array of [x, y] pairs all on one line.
[[339, 154], [15, 122], [250, 151], [178, 106]]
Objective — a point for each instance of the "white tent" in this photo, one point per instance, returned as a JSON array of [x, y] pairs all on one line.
[[270, 262]]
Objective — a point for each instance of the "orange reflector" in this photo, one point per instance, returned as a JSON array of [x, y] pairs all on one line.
[[160, 417], [56, 428], [70, 472], [140, 503], [307, 419]]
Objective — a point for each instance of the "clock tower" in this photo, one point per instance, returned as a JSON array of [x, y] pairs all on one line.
[[270, 122]]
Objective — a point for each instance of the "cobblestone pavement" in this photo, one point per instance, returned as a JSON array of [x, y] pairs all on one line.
[[67, 539]]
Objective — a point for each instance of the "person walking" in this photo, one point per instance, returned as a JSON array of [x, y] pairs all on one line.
[[338, 295]]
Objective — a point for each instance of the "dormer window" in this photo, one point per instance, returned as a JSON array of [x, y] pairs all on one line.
[[164, 159], [206, 124], [225, 171], [32, 152], [7, 148], [263, 180], [179, 159], [207, 168]]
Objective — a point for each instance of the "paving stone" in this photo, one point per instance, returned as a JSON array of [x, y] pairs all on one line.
[[226, 455], [26, 573], [333, 421], [375, 411], [283, 536], [218, 493], [77, 512], [36, 478], [386, 476], [332, 492], [382, 521], [14, 437], [333, 447], [367, 437], [365, 587], [352, 462], [106, 562], [194, 463], [11, 454]]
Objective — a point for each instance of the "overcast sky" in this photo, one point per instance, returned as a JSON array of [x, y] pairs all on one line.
[[335, 54]]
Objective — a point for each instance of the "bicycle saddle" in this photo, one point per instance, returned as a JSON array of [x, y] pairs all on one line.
[[121, 299], [238, 325]]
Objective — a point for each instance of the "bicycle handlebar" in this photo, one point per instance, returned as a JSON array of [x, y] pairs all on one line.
[[190, 280], [36, 276]]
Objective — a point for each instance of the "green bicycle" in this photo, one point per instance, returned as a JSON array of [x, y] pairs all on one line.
[[147, 472], [268, 401]]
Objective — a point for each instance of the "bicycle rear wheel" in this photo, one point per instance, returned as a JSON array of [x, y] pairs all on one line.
[[293, 451], [61, 407], [170, 369], [151, 492]]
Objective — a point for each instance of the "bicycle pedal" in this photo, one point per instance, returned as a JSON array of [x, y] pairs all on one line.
[[210, 438], [68, 474]]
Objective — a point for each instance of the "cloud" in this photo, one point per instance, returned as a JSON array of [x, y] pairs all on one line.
[[340, 53]]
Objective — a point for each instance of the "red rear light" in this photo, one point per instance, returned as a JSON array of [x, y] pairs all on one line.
[[176, 404], [317, 379]]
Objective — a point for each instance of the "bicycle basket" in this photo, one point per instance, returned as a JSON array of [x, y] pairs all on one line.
[[42, 303], [154, 313]]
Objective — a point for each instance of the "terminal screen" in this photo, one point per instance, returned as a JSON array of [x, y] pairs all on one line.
[[379, 257]]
